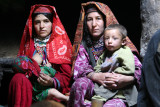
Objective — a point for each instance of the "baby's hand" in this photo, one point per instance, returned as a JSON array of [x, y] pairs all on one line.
[[48, 64]]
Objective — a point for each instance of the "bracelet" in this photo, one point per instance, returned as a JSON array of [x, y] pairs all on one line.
[[90, 75]]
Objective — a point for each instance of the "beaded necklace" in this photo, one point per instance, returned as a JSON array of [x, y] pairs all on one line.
[[40, 46]]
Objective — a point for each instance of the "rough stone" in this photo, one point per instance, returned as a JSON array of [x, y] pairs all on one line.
[[150, 15]]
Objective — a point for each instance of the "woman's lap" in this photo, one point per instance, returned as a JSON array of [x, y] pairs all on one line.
[[20, 91], [81, 89]]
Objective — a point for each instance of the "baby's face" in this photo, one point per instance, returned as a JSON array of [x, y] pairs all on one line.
[[112, 39]]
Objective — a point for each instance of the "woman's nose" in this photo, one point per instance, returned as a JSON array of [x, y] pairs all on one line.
[[42, 25], [94, 23]]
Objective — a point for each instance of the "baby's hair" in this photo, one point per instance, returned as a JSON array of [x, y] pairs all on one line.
[[119, 27]]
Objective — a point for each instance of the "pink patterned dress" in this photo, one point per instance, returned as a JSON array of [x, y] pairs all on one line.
[[83, 87]]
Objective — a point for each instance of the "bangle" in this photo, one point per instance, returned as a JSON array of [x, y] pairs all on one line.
[[90, 75]]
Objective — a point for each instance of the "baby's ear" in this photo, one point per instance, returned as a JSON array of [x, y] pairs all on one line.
[[124, 41]]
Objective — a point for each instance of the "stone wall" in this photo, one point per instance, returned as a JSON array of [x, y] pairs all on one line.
[[150, 17]]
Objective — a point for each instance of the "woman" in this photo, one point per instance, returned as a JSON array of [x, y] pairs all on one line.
[[87, 48], [43, 34]]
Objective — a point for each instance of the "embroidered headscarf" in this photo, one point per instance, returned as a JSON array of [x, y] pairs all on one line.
[[59, 47], [109, 18]]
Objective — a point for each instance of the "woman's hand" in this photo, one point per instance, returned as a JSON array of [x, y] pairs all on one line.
[[111, 80], [45, 80], [99, 77], [117, 81]]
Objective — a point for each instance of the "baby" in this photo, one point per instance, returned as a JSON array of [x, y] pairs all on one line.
[[42, 92], [117, 58]]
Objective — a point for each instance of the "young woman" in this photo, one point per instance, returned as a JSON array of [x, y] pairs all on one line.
[[88, 46], [45, 35]]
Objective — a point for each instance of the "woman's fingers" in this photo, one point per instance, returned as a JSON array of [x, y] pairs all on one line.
[[48, 81], [109, 82], [112, 77], [44, 76], [41, 81], [110, 86]]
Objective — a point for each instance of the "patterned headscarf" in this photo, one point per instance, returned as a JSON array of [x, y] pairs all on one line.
[[110, 19], [59, 47]]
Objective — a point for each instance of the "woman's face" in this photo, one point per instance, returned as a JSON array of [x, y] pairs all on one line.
[[42, 26], [95, 24]]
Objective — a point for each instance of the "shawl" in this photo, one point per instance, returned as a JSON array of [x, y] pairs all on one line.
[[149, 92], [59, 47], [110, 19]]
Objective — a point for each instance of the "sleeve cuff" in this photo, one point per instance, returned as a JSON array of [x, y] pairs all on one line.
[[56, 83]]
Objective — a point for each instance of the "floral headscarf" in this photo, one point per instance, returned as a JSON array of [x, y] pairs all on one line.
[[59, 48]]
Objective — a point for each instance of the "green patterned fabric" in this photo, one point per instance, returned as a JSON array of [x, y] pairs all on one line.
[[41, 92]]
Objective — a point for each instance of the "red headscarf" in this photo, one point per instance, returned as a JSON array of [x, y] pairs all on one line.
[[59, 48]]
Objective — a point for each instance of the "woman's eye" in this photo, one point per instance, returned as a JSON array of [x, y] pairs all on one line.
[[99, 18], [46, 21], [36, 22], [89, 19]]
